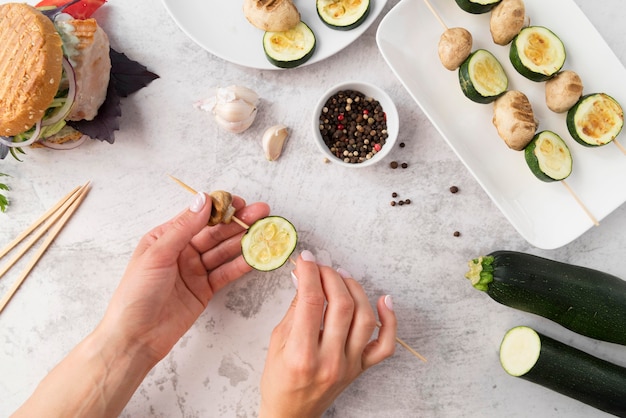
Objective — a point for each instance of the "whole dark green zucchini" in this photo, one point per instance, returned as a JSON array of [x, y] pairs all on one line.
[[527, 354], [586, 301]]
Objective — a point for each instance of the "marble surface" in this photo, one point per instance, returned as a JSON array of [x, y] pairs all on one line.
[[343, 215]]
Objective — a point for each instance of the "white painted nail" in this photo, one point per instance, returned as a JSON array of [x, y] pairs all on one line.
[[389, 302], [198, 203]]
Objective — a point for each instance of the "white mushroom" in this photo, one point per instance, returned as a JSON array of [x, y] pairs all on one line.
[[514, 119], [507, 19], [563, 91], [271, 15], [455, 45]]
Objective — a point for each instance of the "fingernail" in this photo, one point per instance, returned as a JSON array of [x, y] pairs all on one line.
[[389, 302], [344, 273], [198, 203], [307, 256], [294, 279]]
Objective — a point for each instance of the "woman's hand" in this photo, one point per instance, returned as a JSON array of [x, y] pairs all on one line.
[[175, 271], [323, 343]]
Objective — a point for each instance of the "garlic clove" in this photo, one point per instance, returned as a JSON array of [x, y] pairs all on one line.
[[238, 126], [234, 111], [274, 140], [245, 94]]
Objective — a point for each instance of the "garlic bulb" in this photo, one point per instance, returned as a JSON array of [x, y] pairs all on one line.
[[234, 107], [273, 141]]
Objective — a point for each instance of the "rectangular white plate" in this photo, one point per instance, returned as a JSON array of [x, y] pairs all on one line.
[[547, 215]]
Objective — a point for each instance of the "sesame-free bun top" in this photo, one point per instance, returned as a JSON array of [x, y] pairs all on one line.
[[30, 66]]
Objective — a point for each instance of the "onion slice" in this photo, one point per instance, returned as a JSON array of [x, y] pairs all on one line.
[[66, 145], [34, 137], [71, 95]]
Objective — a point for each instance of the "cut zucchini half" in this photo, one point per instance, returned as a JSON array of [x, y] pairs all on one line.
[[268, 243], [537, 53], [534, 357], [548, 157], [595, 120], [343, 14], [477, 6], [482, 77], [290, 48]]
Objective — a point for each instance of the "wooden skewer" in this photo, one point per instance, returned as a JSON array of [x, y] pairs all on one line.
[[82, 192], [434, 12], [582, 205], [620, 146], [192, 190], [51, 221], [35, 224], [378, 324]]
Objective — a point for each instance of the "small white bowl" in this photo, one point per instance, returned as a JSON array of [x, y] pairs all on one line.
[[389, 108]]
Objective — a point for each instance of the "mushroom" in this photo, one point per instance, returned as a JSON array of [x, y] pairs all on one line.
[[563, 91], [222, 210], [514, 119], [271, 15], [507, 19], [455, 45]]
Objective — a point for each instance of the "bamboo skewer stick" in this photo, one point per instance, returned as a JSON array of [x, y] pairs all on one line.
[[35, 224], [59, 211], [620, 146], [192, 190], [378, 324], [54, 231], [582, 205], [434, 12]]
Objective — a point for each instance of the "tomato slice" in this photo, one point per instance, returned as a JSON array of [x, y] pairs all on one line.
[[80, 10]]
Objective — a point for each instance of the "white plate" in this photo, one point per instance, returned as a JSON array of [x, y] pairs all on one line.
[[547, 215], [220, 27]]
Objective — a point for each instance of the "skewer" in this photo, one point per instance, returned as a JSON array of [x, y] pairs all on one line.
[[54, 231], [582, 205], [53, 217], [35, 224], [434, 12], [378, 324], [192, 190], [620, 146]]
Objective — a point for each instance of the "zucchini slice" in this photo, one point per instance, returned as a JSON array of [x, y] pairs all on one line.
[[537, 53], [268, 243], [548, 157], [343, 14], [477, 6], [482, 77], [589, 302], [595, 120], [290, 48], [534, 357]]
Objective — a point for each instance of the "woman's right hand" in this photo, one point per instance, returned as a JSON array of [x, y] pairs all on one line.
[[323, 343]]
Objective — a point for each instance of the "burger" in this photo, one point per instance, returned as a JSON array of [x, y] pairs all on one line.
[[58, 83]]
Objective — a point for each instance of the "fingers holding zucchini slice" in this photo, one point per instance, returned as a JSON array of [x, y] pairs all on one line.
[[268, 243], [548, 157]]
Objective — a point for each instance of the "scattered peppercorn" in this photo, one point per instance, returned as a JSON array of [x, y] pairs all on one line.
[[457, 234], [401, 202], [353, 126], [454, 189], [394, 194], [393, 164], [404, 165], [393, 203], [402, 145], [407, 202]]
